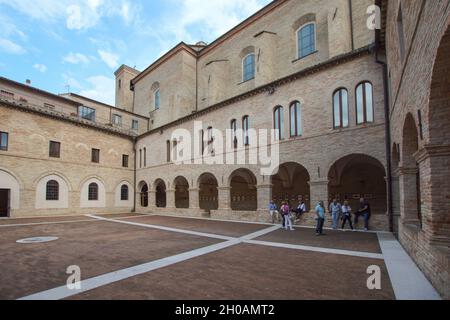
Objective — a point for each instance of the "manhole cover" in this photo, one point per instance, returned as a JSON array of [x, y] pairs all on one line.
[[37, 240]]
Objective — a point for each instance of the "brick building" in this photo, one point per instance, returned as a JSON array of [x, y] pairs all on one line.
[[355, 112]]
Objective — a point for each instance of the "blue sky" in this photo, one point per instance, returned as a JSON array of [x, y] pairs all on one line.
[[80, 43]]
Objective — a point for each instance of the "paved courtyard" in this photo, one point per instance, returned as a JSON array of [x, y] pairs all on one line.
[[134, 256]]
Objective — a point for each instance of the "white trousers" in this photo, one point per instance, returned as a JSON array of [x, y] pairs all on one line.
[[288, 222]]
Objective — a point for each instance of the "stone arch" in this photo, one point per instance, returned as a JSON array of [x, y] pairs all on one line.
[[291, 184], [143, 194], [208, 192], [84, 197], [359, 175], [118, 202], [181, 186], [160, 193], [305, 19], [10, 188], [41, 192], [243, 190]]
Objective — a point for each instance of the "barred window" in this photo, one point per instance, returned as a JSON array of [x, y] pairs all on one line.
[[52, 192], [93, 192], [124, 193]]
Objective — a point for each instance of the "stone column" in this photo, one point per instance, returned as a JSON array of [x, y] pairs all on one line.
[[319, 192], [408, 195], [194, 198], [224, 198], [151, 199], [170, 198], [395, 199], [264, 196]]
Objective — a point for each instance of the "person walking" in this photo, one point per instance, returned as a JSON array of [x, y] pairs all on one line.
[[273, 211], [347, 215], [335, 210], [320, 212], [287, 216], [364, 210]]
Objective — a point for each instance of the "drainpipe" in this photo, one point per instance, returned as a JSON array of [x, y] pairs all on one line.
[[135, 175], [350, 7], [387, 132]]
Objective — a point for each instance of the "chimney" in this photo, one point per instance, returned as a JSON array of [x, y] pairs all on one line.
[[28, 82]]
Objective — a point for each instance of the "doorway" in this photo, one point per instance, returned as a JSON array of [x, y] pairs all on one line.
[[4, 203]]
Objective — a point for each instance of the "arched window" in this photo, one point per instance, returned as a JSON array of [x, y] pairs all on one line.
[[340, 108], [157, 99], [364, 103], [233, 127], [296, 119], [245, 128], [306, 40], [52, 192], [124, 193], [248, 67], [93, 192], [278, 119]]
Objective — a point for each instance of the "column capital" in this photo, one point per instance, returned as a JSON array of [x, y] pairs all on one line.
[[320, 182], [404, 171], [194, 189], [262, 186], [224, 188]]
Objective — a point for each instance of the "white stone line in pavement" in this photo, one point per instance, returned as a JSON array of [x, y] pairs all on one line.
[[317, 249], [408, 282], [106, 279], [195, 233]]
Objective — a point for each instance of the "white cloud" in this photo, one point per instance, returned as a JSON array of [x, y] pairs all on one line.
[[77, 14], [71, 82], [76, 58], [102, 89], [111, 59], [11, 47], [40, 67]]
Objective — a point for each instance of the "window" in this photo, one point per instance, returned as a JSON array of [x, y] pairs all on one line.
[[6, 94], [202, 141], [125, 161], [168, 150], [278, 119], [364, 103], [340, 109], [55, 149], [306, 40], [140, 158], [117, 120], [93, 192], [296, 119], [145, 157], [120, 83], [245, 128], [157, 98], [135, 125], [124, 193], [86, 113], [248, 67], [52, 192], [3, 141], [210, 135], [233, 133], [95, 156]]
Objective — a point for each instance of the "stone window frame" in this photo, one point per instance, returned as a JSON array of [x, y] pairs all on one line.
[[52, 190], [298, 132], [95, 155], [279, 127], [125, 160], [248, 77], [297, 33], [93, 192], [341, 108], [364, 106], [4, 136], [124, 193], [54, 150]]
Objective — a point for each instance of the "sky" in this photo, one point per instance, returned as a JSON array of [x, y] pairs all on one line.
[[76, 45]]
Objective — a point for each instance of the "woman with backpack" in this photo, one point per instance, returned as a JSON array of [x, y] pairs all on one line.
[[286, 212]]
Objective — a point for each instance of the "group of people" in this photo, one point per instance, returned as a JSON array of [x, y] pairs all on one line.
[[286, 213], [338, 212]]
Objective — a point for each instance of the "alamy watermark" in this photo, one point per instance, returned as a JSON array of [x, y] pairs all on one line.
[[235, 147], [374, 20]]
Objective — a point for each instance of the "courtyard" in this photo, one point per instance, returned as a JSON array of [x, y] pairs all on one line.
[[140, 256]]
